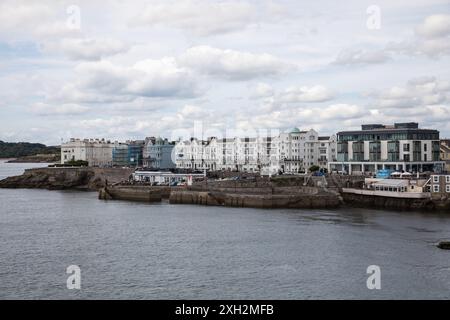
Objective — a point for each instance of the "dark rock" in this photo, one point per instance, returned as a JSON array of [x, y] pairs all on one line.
[[66, 178], [445, 245]]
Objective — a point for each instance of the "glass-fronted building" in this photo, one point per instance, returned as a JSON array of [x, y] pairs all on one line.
[[398, 147], [128, 154]]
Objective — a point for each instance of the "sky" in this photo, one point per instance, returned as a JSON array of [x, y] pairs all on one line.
[[130, 69]]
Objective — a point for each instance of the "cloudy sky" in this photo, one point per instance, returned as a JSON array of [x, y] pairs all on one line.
[[130, 69]]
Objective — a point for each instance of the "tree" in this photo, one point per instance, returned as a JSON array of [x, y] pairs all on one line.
[[77, 163], [23, 149], [314, 168]]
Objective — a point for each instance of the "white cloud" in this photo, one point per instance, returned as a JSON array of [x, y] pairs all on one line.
[[16, 14], [147, 78], [262, 90], [315, 93], [432, 38], [22, 20], [198, 17], [190, 111], [63, 109], [341, 111], [330, 116], [231, 64], [278, 66], [435, 26], [360, 57], [292, 94], [418, 92], [88, 48]]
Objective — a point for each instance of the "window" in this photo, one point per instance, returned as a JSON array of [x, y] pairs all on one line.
[[436, 179], [435, 188], [447, 179], [406, 147], [447, 188]]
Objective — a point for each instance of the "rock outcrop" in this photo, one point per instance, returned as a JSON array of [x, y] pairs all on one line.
[[445, 245], [66, 178]]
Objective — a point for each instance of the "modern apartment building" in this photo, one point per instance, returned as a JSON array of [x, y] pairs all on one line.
[[97, 152], [400, 147], [135, 152], [128, 154], [120, 154]]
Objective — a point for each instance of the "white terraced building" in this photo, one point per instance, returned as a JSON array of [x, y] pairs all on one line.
[[237, 154], [97, 152], [299, 150], [290, 152]]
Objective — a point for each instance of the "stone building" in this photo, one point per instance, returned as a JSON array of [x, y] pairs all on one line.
[[440, 185], [97, 152], [445, 154]]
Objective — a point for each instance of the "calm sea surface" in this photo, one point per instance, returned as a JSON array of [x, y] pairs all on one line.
[[160, 251]]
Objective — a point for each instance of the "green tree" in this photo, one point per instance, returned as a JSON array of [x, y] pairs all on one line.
[[77, 163], [23, 149]]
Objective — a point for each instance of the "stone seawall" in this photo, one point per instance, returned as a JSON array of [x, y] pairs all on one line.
[[283, 192], [67, 178], [213, 198], [260, 193], [132, 193], [377, 202]]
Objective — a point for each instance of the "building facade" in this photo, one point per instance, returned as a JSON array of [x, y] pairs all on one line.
[[97, 152], [128, 154], [158, 154], [120, 154], [445, 154], [195, 154], [399, 147], [291, 152], [440, 185], [300, 150], [135, 153]]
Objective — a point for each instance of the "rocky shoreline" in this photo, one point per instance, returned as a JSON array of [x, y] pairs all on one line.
[[254, 192], [66, 178]]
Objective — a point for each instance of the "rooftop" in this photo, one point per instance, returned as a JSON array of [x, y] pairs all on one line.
[[395, 128]]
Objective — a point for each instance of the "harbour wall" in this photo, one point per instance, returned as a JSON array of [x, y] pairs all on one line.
[[377, 202], [145, 194], [260, 200]]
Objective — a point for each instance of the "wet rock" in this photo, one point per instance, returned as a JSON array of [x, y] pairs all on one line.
[[445, 245], [66, 178]]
